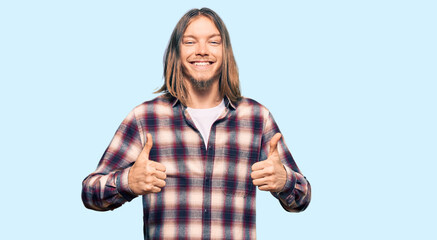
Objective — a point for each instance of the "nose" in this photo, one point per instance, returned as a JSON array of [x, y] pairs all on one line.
[[202, 49]]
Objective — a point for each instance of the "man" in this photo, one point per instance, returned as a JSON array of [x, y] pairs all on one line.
[[196, 153]]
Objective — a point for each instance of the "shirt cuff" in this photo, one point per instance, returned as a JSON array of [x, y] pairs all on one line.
[[286, 194], [123, 185]]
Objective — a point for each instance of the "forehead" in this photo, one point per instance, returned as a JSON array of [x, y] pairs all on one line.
[[201, 26]]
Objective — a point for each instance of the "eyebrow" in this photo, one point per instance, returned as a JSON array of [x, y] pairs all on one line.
[[211, 36]]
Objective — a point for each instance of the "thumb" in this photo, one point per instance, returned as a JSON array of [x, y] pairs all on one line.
[[274, 143], [147, 147]]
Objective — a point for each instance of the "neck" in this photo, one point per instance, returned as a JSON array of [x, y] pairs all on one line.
[[203, 98]]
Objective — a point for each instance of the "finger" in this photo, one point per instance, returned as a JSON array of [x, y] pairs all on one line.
[[258, 165], [159, 166], [257, 174], [265, 188], [160, 175], [259, 182], [159, 183], [155, 189], [147, 147], [274, 143]]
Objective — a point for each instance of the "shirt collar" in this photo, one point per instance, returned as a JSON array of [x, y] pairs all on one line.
[[228, 103], [174, 102]]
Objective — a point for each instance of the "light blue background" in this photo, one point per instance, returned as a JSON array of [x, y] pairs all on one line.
[[352, 84]]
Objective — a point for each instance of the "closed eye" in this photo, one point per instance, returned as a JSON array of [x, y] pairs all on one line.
[[215, 42]]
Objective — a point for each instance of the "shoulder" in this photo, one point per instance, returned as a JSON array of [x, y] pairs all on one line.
[[159, 100], [251, 107], [156, 106], [249, 103]]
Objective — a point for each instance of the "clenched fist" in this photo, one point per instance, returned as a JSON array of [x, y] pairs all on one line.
[[270, 174], [146, 176]]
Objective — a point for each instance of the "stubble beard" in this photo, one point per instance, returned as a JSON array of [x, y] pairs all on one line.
[[202, 85]]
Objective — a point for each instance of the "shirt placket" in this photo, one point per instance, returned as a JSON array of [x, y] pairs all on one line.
[[208, 156]]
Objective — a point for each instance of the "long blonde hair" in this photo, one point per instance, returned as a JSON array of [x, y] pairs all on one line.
[[173, 75]]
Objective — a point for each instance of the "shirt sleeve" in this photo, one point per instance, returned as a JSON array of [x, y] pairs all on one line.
[[296, 194], [107, 187]]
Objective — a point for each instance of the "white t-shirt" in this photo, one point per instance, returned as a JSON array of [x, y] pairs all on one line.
[[204, 118]]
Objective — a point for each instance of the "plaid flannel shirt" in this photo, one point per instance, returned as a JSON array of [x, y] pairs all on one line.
[[209, 192]]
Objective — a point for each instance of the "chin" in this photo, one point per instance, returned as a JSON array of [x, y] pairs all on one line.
[[202, 77], [202, 83]]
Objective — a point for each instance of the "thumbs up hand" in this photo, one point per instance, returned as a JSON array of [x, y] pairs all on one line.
[[270, 174], [146, 176]]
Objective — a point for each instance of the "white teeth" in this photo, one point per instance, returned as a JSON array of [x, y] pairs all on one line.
[[201, 63]]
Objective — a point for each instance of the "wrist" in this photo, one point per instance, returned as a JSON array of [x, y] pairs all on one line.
[[123, 184]]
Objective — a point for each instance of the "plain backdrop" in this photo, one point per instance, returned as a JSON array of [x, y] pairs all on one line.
[[352, 85]]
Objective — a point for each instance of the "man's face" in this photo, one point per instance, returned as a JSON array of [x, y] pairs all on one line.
[[201, 52]]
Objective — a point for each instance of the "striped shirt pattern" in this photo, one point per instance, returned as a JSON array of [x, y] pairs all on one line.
[[209, 192]]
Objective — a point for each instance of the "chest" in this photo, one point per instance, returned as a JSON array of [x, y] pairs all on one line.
[[234, 145]]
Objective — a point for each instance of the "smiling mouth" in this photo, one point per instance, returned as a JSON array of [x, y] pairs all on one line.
[[202, 63]]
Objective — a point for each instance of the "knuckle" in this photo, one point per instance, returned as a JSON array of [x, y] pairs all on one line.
[[147, 188], [150, 162], [149, 179]]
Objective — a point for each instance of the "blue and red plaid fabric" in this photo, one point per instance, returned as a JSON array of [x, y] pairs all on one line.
[[209, 192]]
